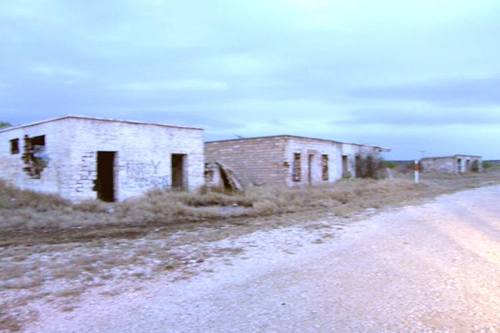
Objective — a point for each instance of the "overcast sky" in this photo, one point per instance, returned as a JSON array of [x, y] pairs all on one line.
[[410, 75]]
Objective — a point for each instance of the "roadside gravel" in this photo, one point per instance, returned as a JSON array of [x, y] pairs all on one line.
[[428, 268]]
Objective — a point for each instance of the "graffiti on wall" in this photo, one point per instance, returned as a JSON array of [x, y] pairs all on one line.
[[130, 174], [146, 174]]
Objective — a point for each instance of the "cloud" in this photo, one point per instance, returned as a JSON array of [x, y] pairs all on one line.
[[459, 92], [423, 116], [172, 85], [347, 70], [57, 72]]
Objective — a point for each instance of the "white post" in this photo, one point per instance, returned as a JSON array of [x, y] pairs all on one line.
[[417, 172]]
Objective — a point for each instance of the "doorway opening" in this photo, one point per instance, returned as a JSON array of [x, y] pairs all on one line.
[[105, 182], [309, 169], [178, 166], [297, 167], [345, 166], [358, 167], [459, 165]]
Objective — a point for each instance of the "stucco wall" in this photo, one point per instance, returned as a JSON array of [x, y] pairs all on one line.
[[451, 164], [143, 157], [316, 149]]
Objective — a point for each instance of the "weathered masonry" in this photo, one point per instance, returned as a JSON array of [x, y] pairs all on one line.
[[83, 158], [288, 160], [452, 164]]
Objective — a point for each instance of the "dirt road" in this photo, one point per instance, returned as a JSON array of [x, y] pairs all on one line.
[[429, 268]]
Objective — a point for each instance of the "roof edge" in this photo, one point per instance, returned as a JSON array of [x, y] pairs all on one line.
[[284, 136], [449, 156], [289, 136], [96, 119]]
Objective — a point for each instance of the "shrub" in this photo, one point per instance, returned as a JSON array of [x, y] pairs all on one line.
[[487, 165], [389, 164], [369, 167]]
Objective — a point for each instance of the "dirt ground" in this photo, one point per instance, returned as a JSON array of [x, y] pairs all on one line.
[[426, 268], [61, 270]]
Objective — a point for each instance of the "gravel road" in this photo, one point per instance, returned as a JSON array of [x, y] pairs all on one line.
[[428, 268]]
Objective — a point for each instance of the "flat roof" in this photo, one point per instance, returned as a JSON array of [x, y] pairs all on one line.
[[283, 136], [95, 119], [450, 156], [288, 136]]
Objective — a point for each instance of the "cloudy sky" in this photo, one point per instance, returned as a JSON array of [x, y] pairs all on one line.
[[411, 75]]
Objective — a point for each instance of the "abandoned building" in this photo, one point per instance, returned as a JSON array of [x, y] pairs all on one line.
[[288, 160], [82, 158], [452, 164]]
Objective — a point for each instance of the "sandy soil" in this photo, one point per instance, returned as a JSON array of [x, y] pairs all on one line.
[[428, 268]]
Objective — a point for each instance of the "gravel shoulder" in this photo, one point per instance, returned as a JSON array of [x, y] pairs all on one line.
[[433, 267]]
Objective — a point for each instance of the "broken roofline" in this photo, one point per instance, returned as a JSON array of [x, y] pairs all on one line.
[[96, 119], [288, 136], [450, 156]]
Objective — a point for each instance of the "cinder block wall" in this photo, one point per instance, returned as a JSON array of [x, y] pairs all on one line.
[[143, 157], [270, 160], [254, 161]]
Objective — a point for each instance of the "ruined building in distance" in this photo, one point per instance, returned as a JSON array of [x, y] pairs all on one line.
[[289, 160]]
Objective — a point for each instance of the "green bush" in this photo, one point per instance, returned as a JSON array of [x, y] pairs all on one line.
[[390, 165], [487, 165]]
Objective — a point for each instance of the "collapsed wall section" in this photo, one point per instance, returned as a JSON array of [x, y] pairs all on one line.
[[256, 161], [35, 157]]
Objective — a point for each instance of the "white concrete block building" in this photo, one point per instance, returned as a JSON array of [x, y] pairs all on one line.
[[452, 164], [82, 158], [289, 160]]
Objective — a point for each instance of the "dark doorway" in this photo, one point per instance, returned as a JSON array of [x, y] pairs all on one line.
[[358, 166], [345, 165], [459, 165], [105, 182], [309, 169], [178, 161]]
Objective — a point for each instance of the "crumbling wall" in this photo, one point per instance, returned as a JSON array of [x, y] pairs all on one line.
[[41, 170], [356, 154], [254, 161], [219, 177], [143, 157], [286, 160]]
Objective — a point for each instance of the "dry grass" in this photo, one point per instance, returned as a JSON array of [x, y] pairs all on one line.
[[21, 210], [163, 207]]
